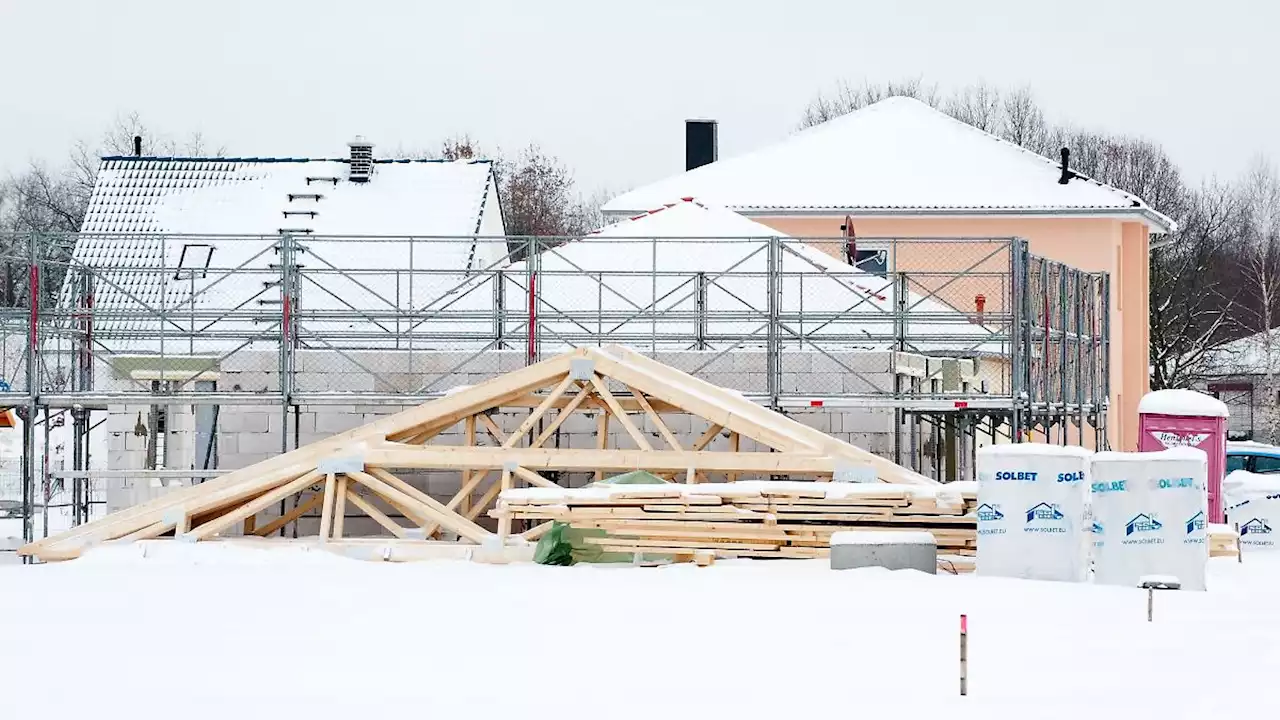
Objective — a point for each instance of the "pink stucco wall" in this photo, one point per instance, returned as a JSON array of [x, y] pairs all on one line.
[[1096, 244]]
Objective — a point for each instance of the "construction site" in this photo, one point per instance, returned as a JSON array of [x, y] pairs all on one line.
[[146, 368]]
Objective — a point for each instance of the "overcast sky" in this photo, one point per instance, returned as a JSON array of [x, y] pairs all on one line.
[[607, 85]]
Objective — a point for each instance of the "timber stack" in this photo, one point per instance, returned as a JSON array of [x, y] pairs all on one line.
[[764, 519]]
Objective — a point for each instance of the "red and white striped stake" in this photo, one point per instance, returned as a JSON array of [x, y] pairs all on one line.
[[964, 654]]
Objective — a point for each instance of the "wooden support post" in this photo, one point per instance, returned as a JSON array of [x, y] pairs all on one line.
[[538, 412], [469, 436], [655, 419], [250, 523], [340, 507], [563, 415], [326, 506], [735, 442], [504, 522], [602, 437], [311, 504], [373, 512], [183, 526], [602, 389], [690, 476]]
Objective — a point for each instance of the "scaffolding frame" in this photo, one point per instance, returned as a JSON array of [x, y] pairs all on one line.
[[1044, 327]]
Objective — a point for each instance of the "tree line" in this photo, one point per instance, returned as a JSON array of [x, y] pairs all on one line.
[[1215, 279]]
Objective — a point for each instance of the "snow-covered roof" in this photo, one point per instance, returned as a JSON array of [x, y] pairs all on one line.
[[181, 213], [1255, 354], [838, 303], [898, 156], [1181, 402]]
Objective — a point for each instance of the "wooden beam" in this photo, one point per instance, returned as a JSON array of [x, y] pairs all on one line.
[[464, 492], [485, 499], [534, 478], [327, 501], [579, 460], [656, 419], [504, 522], [735, 444], [538, 412], [213, 527], [532, 534], [563, 415], [469, 438], [250, 524], [492, 427], [705, 438], [602, 438], [439, 513], [373, 512], [311, 504], [602, 389], [340, 507]]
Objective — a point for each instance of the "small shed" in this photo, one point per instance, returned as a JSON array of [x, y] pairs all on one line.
[[1185, 418]]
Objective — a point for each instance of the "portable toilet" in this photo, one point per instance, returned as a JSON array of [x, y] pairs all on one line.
[[1185, 418]]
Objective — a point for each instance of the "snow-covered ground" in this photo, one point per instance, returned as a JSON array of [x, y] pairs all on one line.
[[213, 631]]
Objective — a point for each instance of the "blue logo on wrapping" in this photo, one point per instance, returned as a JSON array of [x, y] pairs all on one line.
[[989, 513], [1196, 522], [1097, 528], [1044, 511], [1256, 526], [1142, 523]]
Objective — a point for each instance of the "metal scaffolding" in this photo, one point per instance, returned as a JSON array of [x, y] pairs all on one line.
[[93, 321]]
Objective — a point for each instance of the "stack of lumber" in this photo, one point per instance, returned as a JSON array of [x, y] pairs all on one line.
[[749, 519], [1224, 541]]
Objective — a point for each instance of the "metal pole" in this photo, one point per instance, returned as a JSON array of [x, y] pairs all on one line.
[[33, 392], [773, 361], [286, 340], [44, 476], [901, 293], [964, 655]]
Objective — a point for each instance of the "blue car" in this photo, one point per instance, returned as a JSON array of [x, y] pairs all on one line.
[[1254, 457]]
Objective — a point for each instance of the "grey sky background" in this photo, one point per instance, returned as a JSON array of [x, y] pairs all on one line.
[[606, 85]]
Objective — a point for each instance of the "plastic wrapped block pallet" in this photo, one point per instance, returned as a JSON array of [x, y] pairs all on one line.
[[1149, 516], [1032, 504], [900, 550], [1253, 503]]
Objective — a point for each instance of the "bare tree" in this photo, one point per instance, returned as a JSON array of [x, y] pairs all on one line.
[[1024, 122], [848, 98], [1260, 270], [978, 105], [1193, 295]]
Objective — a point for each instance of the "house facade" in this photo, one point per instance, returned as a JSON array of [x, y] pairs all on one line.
[[900, 169]]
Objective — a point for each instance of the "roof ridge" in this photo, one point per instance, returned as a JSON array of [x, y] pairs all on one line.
[[181, 158]]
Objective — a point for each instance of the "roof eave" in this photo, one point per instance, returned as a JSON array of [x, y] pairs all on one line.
[[1158, 223]]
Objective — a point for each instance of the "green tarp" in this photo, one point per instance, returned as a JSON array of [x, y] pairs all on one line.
[[565, 545]]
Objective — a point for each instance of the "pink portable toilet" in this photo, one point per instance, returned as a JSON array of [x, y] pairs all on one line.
[[1184, 418]]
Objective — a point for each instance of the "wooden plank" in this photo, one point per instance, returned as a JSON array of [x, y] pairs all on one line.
[[386, 476], [735, 444], [327, 501], [564, 414], [250, 524], [671, 543], [255, 506], [602, 389], [340, 507], [572, 459], [538, 412], [655, 419], [532, 534], [705, 438], [492, 428], [398, 491], [602, 438], [373, 512], [534, 478], [463, 493], [469, 439], [504, 523], [302, 509]]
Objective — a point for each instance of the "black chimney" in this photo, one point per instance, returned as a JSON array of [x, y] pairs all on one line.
[[137, 146], [1066, 169], [699, 143]]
